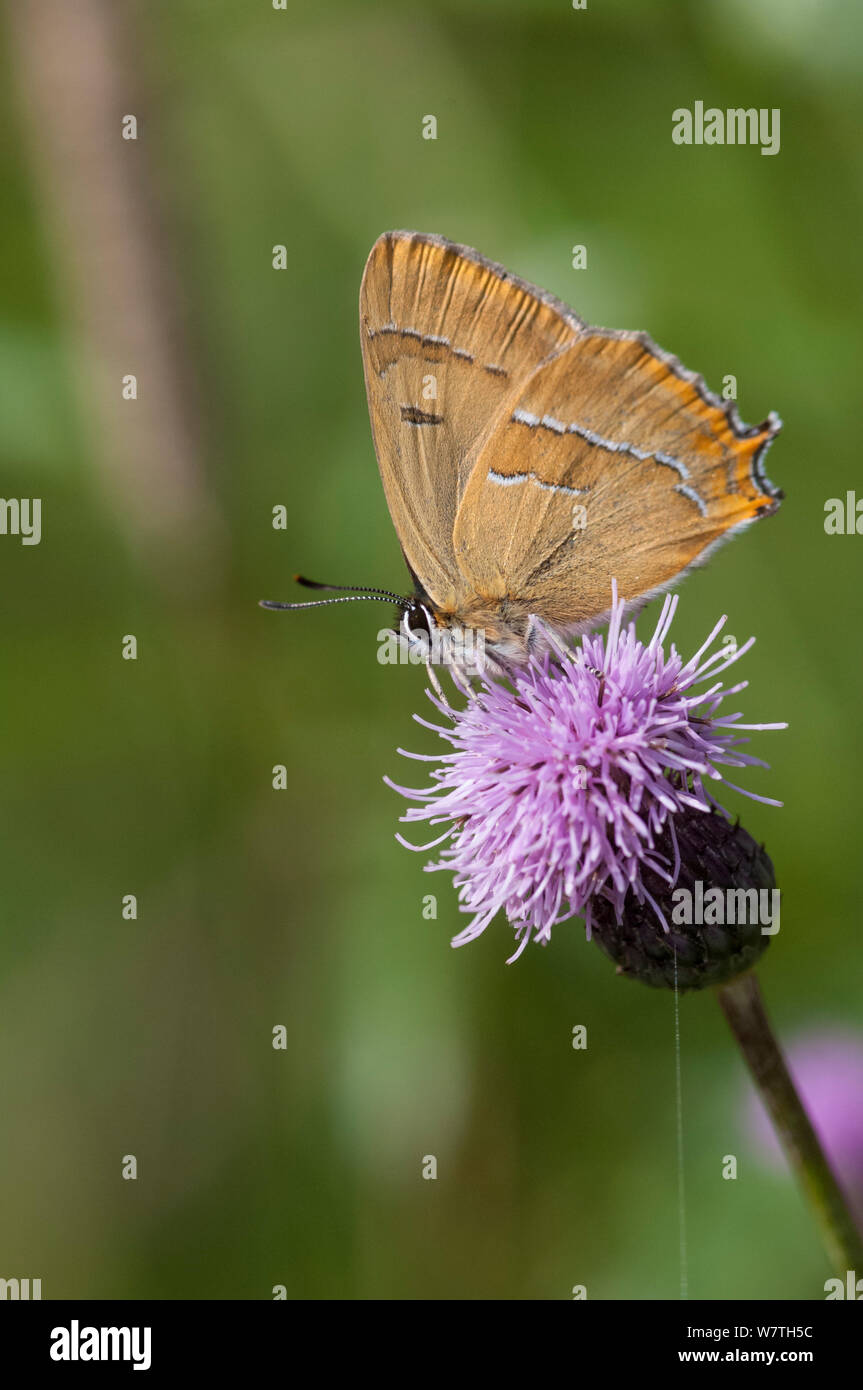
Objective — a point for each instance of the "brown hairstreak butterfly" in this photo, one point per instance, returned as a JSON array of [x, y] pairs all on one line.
[[528, 460]]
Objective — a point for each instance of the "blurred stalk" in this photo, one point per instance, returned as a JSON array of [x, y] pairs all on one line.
[[744, 1009], [113, 266]]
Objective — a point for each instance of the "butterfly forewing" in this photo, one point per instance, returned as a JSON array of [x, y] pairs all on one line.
[[447, 338]]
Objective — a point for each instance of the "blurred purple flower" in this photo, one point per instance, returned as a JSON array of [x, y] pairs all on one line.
[[827, 1067], [563, 779]]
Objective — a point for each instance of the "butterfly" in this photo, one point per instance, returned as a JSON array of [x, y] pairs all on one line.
[[529, 460]]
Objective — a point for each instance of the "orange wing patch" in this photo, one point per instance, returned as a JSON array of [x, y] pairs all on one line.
[[614, 462]]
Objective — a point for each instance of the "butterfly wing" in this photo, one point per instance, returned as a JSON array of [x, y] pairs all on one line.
[[612, 461], [447, 336]]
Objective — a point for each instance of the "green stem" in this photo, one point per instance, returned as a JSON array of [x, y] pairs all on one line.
[[743, 1006]]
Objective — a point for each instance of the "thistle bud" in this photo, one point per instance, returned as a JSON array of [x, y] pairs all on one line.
[[721, 911]]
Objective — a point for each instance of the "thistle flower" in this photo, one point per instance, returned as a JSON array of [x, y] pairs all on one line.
[[827, 1065], [565, 781], [579, 784]]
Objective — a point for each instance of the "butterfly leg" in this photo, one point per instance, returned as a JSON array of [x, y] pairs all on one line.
[[435, 684]]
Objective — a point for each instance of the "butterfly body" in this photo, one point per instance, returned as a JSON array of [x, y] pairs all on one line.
[[508, 629]]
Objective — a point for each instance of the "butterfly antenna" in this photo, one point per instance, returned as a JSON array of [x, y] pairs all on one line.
[[376, 595], [313, 584], [324, 602]]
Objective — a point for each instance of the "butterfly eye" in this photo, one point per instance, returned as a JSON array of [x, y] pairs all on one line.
[[417, 621]]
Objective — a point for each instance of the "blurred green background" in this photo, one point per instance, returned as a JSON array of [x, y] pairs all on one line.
[[257, 907]]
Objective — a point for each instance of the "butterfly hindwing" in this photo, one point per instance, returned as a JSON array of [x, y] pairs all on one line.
[[612, 461]]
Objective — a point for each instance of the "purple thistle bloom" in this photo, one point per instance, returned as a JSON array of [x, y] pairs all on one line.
[[827, 1066], [562, 780]]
